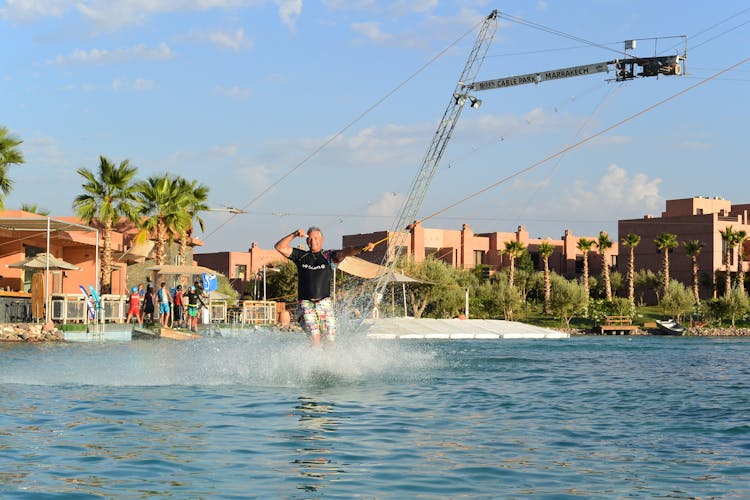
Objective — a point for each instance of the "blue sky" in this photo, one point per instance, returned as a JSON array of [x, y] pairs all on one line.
[[238, 93]]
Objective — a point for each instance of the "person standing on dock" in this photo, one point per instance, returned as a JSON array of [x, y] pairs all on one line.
[[134, 306], [315, 269], [193, 299], [149, 304], [179, 309], [165, 299]]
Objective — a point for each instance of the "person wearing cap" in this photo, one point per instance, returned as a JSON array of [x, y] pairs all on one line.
[[134, 308], [315, 269], [193, 299]]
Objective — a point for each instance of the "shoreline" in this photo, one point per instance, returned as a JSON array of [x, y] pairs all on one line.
[[691, 332], [38, 332]]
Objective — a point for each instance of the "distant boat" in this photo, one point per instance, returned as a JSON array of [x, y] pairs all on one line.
[[670, 327]]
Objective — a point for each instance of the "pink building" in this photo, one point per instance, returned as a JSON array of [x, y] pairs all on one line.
[[239, 267], [465, 249], [700, 218], [69, 239]]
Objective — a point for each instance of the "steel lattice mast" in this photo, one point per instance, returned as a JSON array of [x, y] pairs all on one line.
[[420, 184]]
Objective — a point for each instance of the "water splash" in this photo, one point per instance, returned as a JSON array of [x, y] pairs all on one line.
[[253, 358]]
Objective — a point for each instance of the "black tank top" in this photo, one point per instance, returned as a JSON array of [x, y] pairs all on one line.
[[315, 271]]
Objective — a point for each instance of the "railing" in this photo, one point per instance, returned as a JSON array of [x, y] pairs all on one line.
[[15, 309], [72, 308], [256, 312], [218, 311]]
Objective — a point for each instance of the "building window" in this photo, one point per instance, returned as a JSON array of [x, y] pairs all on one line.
[[478, 257], [698, 211], [240, 271], [613, 260], [536, 259]]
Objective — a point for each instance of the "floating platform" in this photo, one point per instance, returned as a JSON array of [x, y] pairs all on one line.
[[141, 332], [99, 335], [455, 329]]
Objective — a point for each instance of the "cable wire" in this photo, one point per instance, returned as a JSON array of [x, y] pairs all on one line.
[[585, 140], [350, 124]]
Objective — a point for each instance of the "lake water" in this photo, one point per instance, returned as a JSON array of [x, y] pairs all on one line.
[[264, 416]]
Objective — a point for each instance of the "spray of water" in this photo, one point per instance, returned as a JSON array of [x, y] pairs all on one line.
[[268, 358]]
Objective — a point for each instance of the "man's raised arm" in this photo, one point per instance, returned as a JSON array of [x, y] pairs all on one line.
[[284, 245]]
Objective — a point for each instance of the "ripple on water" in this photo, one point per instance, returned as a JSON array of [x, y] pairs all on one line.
[[266, 416]]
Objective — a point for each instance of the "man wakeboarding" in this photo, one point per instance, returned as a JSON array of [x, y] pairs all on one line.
[[315, 269]]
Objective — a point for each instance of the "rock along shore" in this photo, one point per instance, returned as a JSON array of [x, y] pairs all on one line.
[[691, 332], [30, 332], [36, 332]]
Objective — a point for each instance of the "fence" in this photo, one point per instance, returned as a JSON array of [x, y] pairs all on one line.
[[72, 308], [15, 309], [256, 312]]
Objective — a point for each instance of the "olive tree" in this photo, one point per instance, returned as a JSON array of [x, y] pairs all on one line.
[[568, 299], [736, 304], [677, 300]]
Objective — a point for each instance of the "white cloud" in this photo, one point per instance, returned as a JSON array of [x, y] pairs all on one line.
[[289, 11], [350, 4], [372, 31], [44, 152], [256, 178], [500, 127], [102, 56], [613, 140], [387, 205], [234, 41], [143, 85], [387, 147], [618, 192], [211, 154], [28, 10], [391, 9], [234, 92], [116, 14]]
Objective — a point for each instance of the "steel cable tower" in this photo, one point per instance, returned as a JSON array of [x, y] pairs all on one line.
[[420, 184]]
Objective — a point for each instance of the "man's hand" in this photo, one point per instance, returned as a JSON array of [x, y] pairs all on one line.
[[300, 233], [369, 247]]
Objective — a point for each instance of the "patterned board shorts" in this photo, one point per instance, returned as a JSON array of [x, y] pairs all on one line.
[[317, 317]]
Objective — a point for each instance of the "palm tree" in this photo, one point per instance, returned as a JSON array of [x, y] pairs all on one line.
[[692, 249], [195, 197], [109, 195], [9, 155], [631, 240], [33, 208], [740, 237], [164, 203], [545, 249], [603, 243], [665, 242], [513, 249], [585, 245], [729, 236]]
